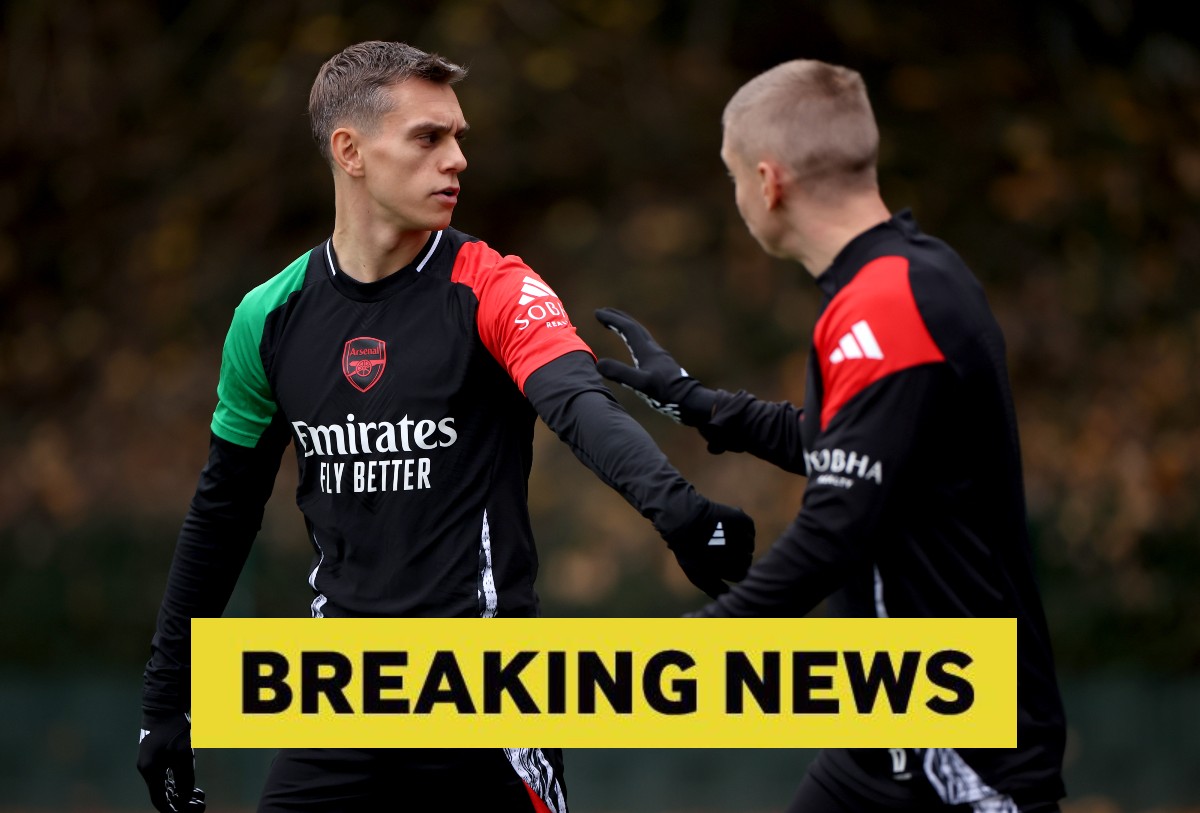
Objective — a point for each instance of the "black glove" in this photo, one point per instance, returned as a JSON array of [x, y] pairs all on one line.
[[655, 376], [714, 547], [168, 764]]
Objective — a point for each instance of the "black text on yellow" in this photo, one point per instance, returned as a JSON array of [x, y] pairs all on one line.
[[815, 676], [327, 674]]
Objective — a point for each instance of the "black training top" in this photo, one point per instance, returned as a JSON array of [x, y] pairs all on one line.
[[915, 505], [377, 386], [411, 404]]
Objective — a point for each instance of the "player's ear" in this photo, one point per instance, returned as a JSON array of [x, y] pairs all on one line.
[[344, 147], [771, 180]]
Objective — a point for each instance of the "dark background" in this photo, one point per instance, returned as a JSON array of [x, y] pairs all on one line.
[[156, 164]]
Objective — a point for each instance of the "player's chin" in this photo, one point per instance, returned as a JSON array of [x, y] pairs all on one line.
[[428, 223], [427, 219], [440, 220]]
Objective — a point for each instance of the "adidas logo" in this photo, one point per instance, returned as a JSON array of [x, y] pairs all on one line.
[[546, 309], [534, 289], [858, 343], [718, 537]]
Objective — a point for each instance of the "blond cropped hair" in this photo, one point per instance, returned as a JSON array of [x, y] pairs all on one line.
[[813, 118]]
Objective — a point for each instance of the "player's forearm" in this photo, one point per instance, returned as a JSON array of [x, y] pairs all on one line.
[[209, 556], [572, 399], [225, 516], [765, 429]]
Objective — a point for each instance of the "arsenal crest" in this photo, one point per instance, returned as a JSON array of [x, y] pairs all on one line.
[[363, 361]]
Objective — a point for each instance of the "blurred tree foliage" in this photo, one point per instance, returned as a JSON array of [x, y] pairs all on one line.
[[156, 164]]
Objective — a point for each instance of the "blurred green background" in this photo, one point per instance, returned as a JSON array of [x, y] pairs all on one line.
[[156, 164]]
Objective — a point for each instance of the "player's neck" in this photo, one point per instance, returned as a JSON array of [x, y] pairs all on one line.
[[370, 258], [821, 231], [368, 252]]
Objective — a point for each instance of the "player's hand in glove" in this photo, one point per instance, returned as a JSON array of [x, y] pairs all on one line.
[[168, 764], [655, 376], [714, 548]]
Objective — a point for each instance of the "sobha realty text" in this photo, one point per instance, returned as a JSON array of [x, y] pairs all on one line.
[[616, 682]]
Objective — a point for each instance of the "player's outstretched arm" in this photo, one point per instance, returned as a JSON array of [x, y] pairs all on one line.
[[713, 543]]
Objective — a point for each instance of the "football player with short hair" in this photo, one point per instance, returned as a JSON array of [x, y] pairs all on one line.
[[407, 363], [914, 505]]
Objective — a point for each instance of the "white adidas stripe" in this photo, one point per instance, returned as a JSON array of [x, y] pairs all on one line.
[[866, 339], [718, 537], [849, 347], [533, 289], [858, 343]]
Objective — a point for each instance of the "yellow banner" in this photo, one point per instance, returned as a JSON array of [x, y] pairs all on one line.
[[604, 683]]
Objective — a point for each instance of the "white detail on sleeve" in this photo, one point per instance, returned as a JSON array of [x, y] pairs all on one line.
[[532, 289], [866, 340], [858, 343]]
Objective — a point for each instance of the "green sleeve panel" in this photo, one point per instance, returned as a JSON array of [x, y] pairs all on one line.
[[245, 402]]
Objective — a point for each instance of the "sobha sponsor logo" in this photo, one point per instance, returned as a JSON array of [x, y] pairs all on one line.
[[546, 307], [837, 467], [356, 437]]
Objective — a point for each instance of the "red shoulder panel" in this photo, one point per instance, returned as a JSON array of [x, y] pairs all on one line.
[[870, 329], [521, 321]]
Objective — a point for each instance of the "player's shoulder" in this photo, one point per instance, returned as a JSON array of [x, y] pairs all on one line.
[[912, 277], [274, 292], [949, 297], [935, 266], [476, 263], [875, 318]]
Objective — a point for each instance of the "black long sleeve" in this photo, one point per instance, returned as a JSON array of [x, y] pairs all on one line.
[[768, 430], [571, 397], [224, 517], [849, 494]]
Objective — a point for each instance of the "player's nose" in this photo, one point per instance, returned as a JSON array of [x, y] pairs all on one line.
[[456, 159]]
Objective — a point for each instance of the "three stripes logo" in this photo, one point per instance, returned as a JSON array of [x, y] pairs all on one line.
[[534, 289], [718, 537], [857, 344]]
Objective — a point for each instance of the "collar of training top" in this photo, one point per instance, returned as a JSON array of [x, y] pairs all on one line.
[[864, 248], [380, 289]]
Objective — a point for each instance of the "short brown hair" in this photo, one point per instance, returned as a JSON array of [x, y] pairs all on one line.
[[812, 117], [350, 87]]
